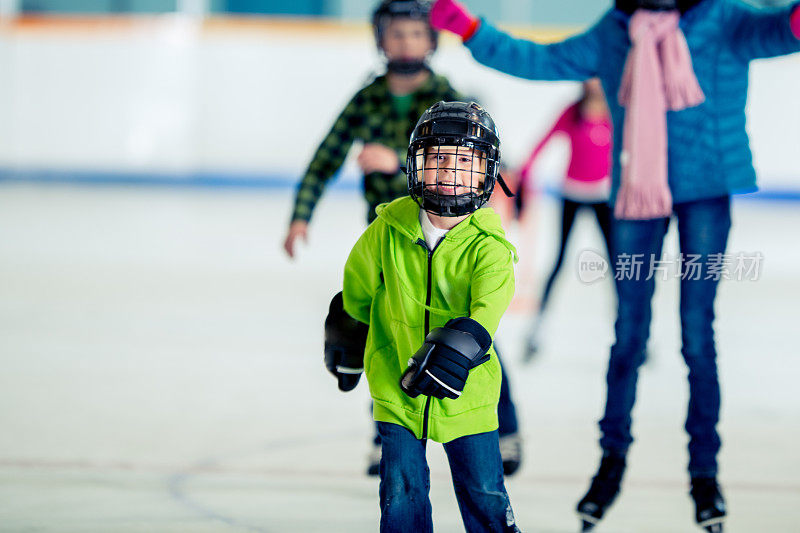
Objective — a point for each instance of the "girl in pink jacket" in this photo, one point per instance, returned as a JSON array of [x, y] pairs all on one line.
[[586, 185]]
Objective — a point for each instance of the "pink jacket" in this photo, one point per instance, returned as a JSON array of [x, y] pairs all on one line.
[[590, 140]]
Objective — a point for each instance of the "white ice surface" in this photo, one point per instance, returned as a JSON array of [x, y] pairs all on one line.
[[161, 371]]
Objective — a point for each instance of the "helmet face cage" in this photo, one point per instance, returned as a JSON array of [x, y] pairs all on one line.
[[389, 10], [451, 175]]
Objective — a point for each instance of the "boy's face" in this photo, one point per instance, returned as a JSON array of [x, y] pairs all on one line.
[[407, 39], [453, 170]]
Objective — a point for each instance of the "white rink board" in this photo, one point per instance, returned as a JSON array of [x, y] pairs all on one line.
[[169, 97]]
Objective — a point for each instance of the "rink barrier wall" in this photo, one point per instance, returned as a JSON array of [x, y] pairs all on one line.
[[138, 99], [258, 24], [271, 181]]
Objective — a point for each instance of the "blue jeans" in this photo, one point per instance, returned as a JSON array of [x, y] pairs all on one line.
[[703, 228], [477, 473]]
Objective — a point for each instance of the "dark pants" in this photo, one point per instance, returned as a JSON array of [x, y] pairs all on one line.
[[569, 211], [703, 228], [506, 412], [477, 473]]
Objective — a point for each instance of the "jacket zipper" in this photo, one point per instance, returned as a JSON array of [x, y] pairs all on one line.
[[428, 292]]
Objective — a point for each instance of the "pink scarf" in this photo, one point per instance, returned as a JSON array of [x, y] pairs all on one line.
[[658, 77]]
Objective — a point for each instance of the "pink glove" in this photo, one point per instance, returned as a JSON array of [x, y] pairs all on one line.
[[452, 16], [795, 22]]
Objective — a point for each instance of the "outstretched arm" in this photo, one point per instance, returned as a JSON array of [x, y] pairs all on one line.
[[492, 286], [525, 173], [576, 58], [327, 160], [561, 125], [759, 33]]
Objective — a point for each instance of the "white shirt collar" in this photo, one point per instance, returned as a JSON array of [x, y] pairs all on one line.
[[432, 234]]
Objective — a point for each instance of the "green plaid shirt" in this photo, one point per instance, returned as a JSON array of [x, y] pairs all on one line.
[[371, 118]]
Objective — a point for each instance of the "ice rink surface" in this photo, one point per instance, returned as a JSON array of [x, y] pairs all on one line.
[[162, 371]]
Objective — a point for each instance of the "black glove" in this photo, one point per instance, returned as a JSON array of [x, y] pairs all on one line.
[[441, 367], [345, 340]]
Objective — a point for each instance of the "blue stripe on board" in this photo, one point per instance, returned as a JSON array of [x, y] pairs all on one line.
[[193, 179], [779, 195], [252, 181]]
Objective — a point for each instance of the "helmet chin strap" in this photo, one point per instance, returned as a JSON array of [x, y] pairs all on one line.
[[449, 205], [503, 186], [406, 67]]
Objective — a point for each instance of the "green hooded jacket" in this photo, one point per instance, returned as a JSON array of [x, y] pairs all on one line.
[[402, 290]]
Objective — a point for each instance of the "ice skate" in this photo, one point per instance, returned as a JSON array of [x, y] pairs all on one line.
[[531, 346], [709, 504], [511, 453], [602, 492], [374, 460]]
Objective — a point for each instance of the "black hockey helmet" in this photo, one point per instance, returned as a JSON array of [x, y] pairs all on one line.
[[389, 10], [454, 141]]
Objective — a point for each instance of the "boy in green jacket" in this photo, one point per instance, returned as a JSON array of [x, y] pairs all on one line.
[[383, 115], [430, 280]]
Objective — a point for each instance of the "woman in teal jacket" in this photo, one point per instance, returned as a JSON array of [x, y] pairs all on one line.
[[708, 158]]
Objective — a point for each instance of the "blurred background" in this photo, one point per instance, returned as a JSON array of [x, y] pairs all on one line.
[[161, 357]]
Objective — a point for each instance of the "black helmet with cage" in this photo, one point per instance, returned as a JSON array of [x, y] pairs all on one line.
[[389, 10], [453, 159]]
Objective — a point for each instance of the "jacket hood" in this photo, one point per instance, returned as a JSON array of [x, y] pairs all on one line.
[[403, 215]]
